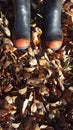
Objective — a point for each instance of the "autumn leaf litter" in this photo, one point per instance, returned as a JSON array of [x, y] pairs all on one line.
[[36, 85]]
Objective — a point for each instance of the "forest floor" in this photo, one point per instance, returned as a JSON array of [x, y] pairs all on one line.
[[36, 85]]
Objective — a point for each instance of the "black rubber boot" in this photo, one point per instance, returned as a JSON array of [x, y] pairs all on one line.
[[21, 31], [53, 31]]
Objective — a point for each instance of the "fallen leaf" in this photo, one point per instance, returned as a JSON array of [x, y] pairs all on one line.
[[36, 36], [7, 63], [33, 108], [8, 88], [31, 69], [16, 125], [42, 62], [25, 103], [23, 90], [33, 62], [43, 126], [3, 112]]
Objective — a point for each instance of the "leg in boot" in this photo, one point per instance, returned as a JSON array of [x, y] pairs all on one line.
[[53, 31], [21, 31]]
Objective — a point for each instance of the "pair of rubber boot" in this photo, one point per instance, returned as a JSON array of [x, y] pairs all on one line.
[[52, 22]]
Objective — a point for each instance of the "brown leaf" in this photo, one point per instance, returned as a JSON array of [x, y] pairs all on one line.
[[36, 36], [15, 125], [25, 103], [30, 69], [33, 62], [8, 88], [42, 62], [7, 63], [7, 41], [3, 112], [23, 90]]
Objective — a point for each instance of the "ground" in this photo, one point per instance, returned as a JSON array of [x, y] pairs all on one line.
[[36, 85]]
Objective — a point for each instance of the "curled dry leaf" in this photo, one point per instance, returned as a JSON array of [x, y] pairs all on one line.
[[69, 11], [58, 66], [25, 103], [43, 126], [10, 100], [66, 61], [33, 62], [61, 81], [8, 88], [46, 57], [18, 68], [31, 69], [36, 36], [7, 41], [3, 112], [12, 112], [33, 108], [67, 6], [7, 63], [50, 51], [6, 22], [71, 88], [10, 48], [31, 52], [23, 90], [35, 81], [31, 96], [13, 57], [37, 127], [22, 56], [43, 91], [7, 31], [58, 103], [42, 61], [15, 125], [36, 50], [40, 107]]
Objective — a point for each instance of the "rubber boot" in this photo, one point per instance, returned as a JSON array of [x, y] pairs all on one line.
[[21, 30], [53, 31]]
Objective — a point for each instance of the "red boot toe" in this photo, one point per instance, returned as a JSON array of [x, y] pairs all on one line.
[[22, 43]]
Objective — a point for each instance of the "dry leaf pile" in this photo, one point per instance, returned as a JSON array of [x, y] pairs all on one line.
[[36, 85]]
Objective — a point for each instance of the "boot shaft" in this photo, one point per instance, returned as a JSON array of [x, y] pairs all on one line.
[[22, 15], [53, 19]]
